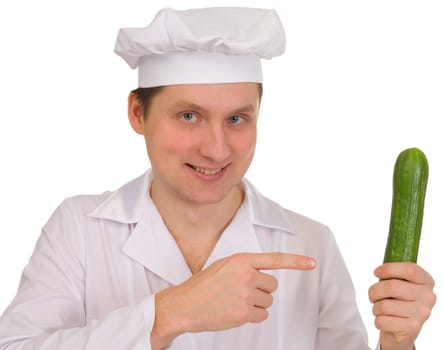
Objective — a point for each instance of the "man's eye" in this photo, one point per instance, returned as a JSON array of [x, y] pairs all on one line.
[[189, 117], [235, 119]]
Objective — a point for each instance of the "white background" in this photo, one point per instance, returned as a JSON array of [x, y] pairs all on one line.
[[361, 81]]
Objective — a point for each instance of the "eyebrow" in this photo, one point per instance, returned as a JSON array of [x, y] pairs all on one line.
[[184, 104]]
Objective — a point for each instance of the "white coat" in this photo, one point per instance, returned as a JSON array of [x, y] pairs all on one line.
[[100, 259]]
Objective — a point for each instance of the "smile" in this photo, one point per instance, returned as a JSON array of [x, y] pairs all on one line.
[[206, 171]]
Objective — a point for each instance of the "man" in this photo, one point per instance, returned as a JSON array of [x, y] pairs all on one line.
[[190, 255]]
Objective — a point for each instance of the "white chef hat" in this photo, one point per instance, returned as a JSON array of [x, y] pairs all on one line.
[[202, 46]]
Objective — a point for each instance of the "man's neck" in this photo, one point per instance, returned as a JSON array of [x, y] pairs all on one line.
[[197, 227]]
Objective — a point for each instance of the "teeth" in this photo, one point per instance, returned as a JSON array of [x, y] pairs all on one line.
[[208, 171]]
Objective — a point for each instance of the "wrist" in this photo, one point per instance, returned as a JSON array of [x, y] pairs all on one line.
[[167, 323], [386, 346]]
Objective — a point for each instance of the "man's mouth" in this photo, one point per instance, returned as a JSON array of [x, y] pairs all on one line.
[[206, 171]]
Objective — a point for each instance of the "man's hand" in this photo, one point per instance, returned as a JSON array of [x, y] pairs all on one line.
[[230, 292], [403, 300]]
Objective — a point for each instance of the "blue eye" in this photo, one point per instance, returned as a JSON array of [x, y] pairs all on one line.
[[235, 119], [189, 117]]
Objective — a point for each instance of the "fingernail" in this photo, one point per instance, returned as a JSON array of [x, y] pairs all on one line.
[[310, 263]]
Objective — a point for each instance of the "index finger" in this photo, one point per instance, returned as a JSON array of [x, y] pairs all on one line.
[[408, 271], [278, 260]]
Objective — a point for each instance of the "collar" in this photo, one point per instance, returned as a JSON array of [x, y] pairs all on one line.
[[151, 244], [128, 205]]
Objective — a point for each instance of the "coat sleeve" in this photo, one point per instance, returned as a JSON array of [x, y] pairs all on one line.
[[48, 311]]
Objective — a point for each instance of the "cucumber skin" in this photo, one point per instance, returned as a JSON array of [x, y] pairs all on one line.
[[410, 177]]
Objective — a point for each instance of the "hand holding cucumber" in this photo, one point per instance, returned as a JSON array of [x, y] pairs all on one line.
[[403, 298]]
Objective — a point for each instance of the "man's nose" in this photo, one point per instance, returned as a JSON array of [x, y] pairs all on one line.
[[214, 144]]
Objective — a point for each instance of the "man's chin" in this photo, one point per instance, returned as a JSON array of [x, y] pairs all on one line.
[[202, 198]]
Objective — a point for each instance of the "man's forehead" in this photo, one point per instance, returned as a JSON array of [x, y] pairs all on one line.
[[228, 97], [225, 89]]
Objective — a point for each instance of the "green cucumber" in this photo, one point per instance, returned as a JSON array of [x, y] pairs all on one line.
[[410, 177]]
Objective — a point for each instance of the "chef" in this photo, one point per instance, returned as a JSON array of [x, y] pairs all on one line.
[[191, 255]]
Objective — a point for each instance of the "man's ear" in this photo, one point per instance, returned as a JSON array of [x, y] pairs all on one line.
[[135, 114]]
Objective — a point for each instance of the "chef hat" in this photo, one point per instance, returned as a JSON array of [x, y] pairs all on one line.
[[202, 46]]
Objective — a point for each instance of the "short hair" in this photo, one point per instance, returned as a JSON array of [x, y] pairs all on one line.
[[145, 97]]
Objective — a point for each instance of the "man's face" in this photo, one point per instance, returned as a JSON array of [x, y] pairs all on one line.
[[201, 140]]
